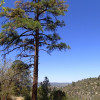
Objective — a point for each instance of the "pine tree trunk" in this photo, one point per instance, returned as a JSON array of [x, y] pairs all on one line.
[[35, 74]]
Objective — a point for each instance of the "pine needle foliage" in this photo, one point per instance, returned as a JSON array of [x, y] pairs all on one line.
[[21, 18]]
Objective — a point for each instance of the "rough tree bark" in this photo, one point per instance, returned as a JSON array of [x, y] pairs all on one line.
[[35, 73]]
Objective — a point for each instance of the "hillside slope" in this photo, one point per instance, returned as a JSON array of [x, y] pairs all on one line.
[[87, 89]]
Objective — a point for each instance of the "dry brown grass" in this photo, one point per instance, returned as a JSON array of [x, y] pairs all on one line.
[[19, 98]]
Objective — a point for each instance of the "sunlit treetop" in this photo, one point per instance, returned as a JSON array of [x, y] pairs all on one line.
[[1, 2], [24, 16], [1, 5]]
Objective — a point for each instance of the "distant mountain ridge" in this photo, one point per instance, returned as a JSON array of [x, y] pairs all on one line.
[[57, 84]]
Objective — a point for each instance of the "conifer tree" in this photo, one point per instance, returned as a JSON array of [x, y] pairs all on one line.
[[44, 90], [31, 27]]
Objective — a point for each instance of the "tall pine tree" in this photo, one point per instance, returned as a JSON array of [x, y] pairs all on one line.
[[31, 27]]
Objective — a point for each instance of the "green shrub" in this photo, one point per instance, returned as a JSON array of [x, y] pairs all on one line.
[[27, 97]]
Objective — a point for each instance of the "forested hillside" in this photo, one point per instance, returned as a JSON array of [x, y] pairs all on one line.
[[86, 89]]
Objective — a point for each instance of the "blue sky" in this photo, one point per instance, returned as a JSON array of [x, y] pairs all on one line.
[[82, 33]]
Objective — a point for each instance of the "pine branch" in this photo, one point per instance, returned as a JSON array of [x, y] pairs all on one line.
[[9, 44], [25, 55], [8, 51]]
